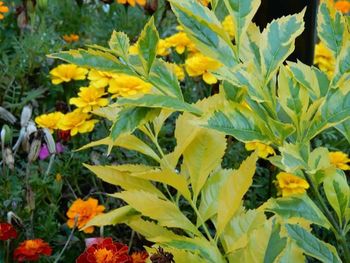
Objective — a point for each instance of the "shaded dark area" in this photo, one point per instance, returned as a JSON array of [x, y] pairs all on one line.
[[305, 44]]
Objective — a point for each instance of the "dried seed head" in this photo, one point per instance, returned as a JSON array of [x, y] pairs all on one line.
[[12, 217], [21, 136], [7, 116], [26, 115], [50, 142], [34, 150], [8, 158], [31, 128]]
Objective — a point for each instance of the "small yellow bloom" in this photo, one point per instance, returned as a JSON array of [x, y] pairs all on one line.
[[132, 2], [84, 211], [200, 65], [289, 184], [3, 9], [67, 72], [126, 86], [228, 25], [343, 6], [90, 98], [204, 2], [76, 122], [263, 150], [71, 38], [101, 79], [340, 160], [50, 120], [180, 42], [58, 178], [324, 59], [178, 70], [163, 48], [134, 49]]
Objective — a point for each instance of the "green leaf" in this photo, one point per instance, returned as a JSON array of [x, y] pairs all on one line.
[[119, 43], [331, 28], [117, 216], [205, 30], [311, 245], [232, 192], [202, 156], [147, 45], [278, 42], [164, 79], [342, 70], [129, 119], [242, 13], [93, 59], [276, 244], [123, 179], [338, 193], [165, 212], [344, 128], [160, 101], [297, 206], [294, 157], [238, 121]]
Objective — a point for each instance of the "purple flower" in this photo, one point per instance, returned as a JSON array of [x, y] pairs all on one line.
[[44, 151]]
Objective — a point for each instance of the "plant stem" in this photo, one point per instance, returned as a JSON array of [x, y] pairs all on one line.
[[336, 229], [68, 240]]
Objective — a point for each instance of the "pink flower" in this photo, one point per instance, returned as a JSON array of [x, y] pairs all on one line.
[[44, 151]]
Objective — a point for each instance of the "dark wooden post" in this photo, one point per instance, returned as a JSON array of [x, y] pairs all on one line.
[[305, 44]]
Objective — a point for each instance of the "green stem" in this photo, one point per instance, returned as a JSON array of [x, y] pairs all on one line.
[[68, 240], [336, 229]]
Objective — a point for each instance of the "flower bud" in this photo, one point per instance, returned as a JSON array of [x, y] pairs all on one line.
[[6, 135], [7, 116], [50, 142], [26, 115], [8, 158]]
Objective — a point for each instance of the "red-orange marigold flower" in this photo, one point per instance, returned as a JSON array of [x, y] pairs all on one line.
[[105, 251], [31, 250], [84, 211], [7, 231], [139, 257], [343, 6]]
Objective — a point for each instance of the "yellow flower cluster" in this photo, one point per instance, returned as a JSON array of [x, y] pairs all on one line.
[[200, 65], [3, 9], [290, 184], [340, 160], [89, 99], [324, 59], [132, 2], [75, 122], [262, 149], [67, 73]]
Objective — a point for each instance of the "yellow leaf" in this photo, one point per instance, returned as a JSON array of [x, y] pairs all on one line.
[[231, 195], [123, 179], [167, 213]]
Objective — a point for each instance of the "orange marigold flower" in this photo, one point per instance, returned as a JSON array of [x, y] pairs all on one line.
[[71, 38], [3, 9], [7, 231], [132, 2], [31, 250], [139, 257], [84, 211], [342, 6], [105, 251]]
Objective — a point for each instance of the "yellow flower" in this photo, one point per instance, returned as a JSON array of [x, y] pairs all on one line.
[[263, 150], [3, 9], [50, 120], [89, 99], [84, 211], [204, 2], [180, 42], [163, 48], [71, 38], [67, 72], [228, 25], [134, 49], [126, 86], [342, 6], [324, 59], [199, 64], [340, 160], [76, 122], [289, 184], [101, 79], [132, 2], [58, 178], [179, 71]]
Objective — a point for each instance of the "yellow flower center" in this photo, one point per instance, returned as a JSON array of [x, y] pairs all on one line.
[[32, 245], [104, 255]]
